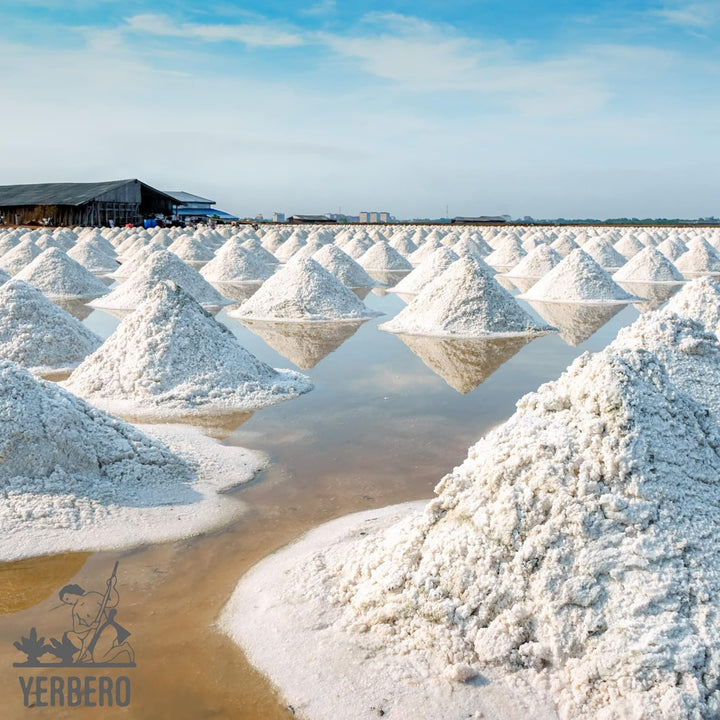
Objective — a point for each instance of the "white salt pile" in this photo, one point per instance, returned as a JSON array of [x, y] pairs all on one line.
[[577, 548], [604, 254], [37, 334], [507, 256], [426, 271], [161, 265], [672, 248], [564, 245], [304, 291], [382, 256], [92, 258], [701, 258], [235, 263], [649, 265], [289, 248], [699, 300], [260, 253], [57, 275], [537, 263], [75, 478], [136, 261], [343, 267], [424, 251], [629, 245], [14, 260], [577, 278], [464, 301], [171, 357], [191, 249]]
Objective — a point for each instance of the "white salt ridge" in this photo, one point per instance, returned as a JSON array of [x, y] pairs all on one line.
[[343, 267], [136, 261], [629, 245], [699, 300], [672, 248], [260, 253], [289, 248], [382, 256], [576, 548], [93, 258], [161, 265], [426, 272], [649, 266], [564, 245], [57, 275], [506, 256], [700, 258], [75, 478], [464, 301], [235, 263], [37, 334], [424, 251], [604, 254], [13, 261], [190, 249], [537, 263], [304, 291], [171, 357], [577, 278]]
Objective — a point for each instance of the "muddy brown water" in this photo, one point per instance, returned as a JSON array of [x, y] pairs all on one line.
[[382, 426]]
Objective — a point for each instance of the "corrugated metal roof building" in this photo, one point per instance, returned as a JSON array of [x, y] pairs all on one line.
[[123, 201]]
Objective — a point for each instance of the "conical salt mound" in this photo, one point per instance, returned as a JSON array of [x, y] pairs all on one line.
[[701, 258], [170, 356], [628, 245], [272, 240], [383, 257], [136, 261], [564, 245], [190, 249], [304, 291], [357, 247], [578, 278], [403, 244], [14, 260], [57, 275], [161, 265], [672, 248], [37, 334], [427, 271], [234, 263], [604, 254], [7, 242], [464, 301], [537, 263], [649, 265], [424, 251], [92, 258], [507, 255], [576, 547], [473, 248], [343, 267], [260, 253], [289, 248], [699, 300]]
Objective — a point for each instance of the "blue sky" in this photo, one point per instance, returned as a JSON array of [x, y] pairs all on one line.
[[574, 109]]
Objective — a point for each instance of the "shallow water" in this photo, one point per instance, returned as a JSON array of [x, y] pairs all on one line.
[[388, 417]]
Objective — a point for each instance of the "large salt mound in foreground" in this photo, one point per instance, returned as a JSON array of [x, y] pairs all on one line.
[[577, 278], [161, 265], [577, 548], [304, 291], [57, 275], [37, 334], [172, 357], [464, 301], [75, 478]]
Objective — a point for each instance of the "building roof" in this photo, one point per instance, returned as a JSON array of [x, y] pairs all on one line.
[[185, 197], [311, 218], [205, 212], [60, 193], [480, 219]]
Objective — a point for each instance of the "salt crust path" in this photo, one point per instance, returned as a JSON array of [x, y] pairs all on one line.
[[170, 357], [280, 617], [576, 548], [74, 478]]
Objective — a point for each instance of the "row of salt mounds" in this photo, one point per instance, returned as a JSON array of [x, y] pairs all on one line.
[[464, 301], [578, 278], [303, 291], [56, 275], [75, 478], [701, 258], [161, 265], [343, 267], [37, 334], [13, 261], [576, 547], [93, 258], [426, 272], [649, 266], [171, 357], [234, 263]]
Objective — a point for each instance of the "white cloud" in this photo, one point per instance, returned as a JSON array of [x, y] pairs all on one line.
[[320, 8], [694, 16]]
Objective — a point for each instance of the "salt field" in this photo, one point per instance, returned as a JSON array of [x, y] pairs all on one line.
[[300, 397]]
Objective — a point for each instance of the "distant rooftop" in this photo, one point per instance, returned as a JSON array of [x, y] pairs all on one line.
[[205, 212], [185, 197]]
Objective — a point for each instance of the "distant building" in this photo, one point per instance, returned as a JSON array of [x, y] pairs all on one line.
[[374, 217], [188, 207], [99, 203], [310, 219], [278, 217], [481, 220]]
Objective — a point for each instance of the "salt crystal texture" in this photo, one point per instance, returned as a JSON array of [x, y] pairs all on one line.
[[382, 256], [464, 301], [649, 265], [93, 258], [235, 263], [171, 357], [37, 334], [538, 262], [343, 267], [14, 260], [427, 271], [701, 258], [699, 300], [304, 291]]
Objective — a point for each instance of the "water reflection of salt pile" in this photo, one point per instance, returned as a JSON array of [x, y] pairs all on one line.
[[464, 363], [654, 294], [304, 344], [576, 322]]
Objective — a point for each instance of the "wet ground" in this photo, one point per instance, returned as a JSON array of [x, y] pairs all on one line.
[[388, 417]]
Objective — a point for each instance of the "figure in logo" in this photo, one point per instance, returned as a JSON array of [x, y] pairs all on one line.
[[95, 639]]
